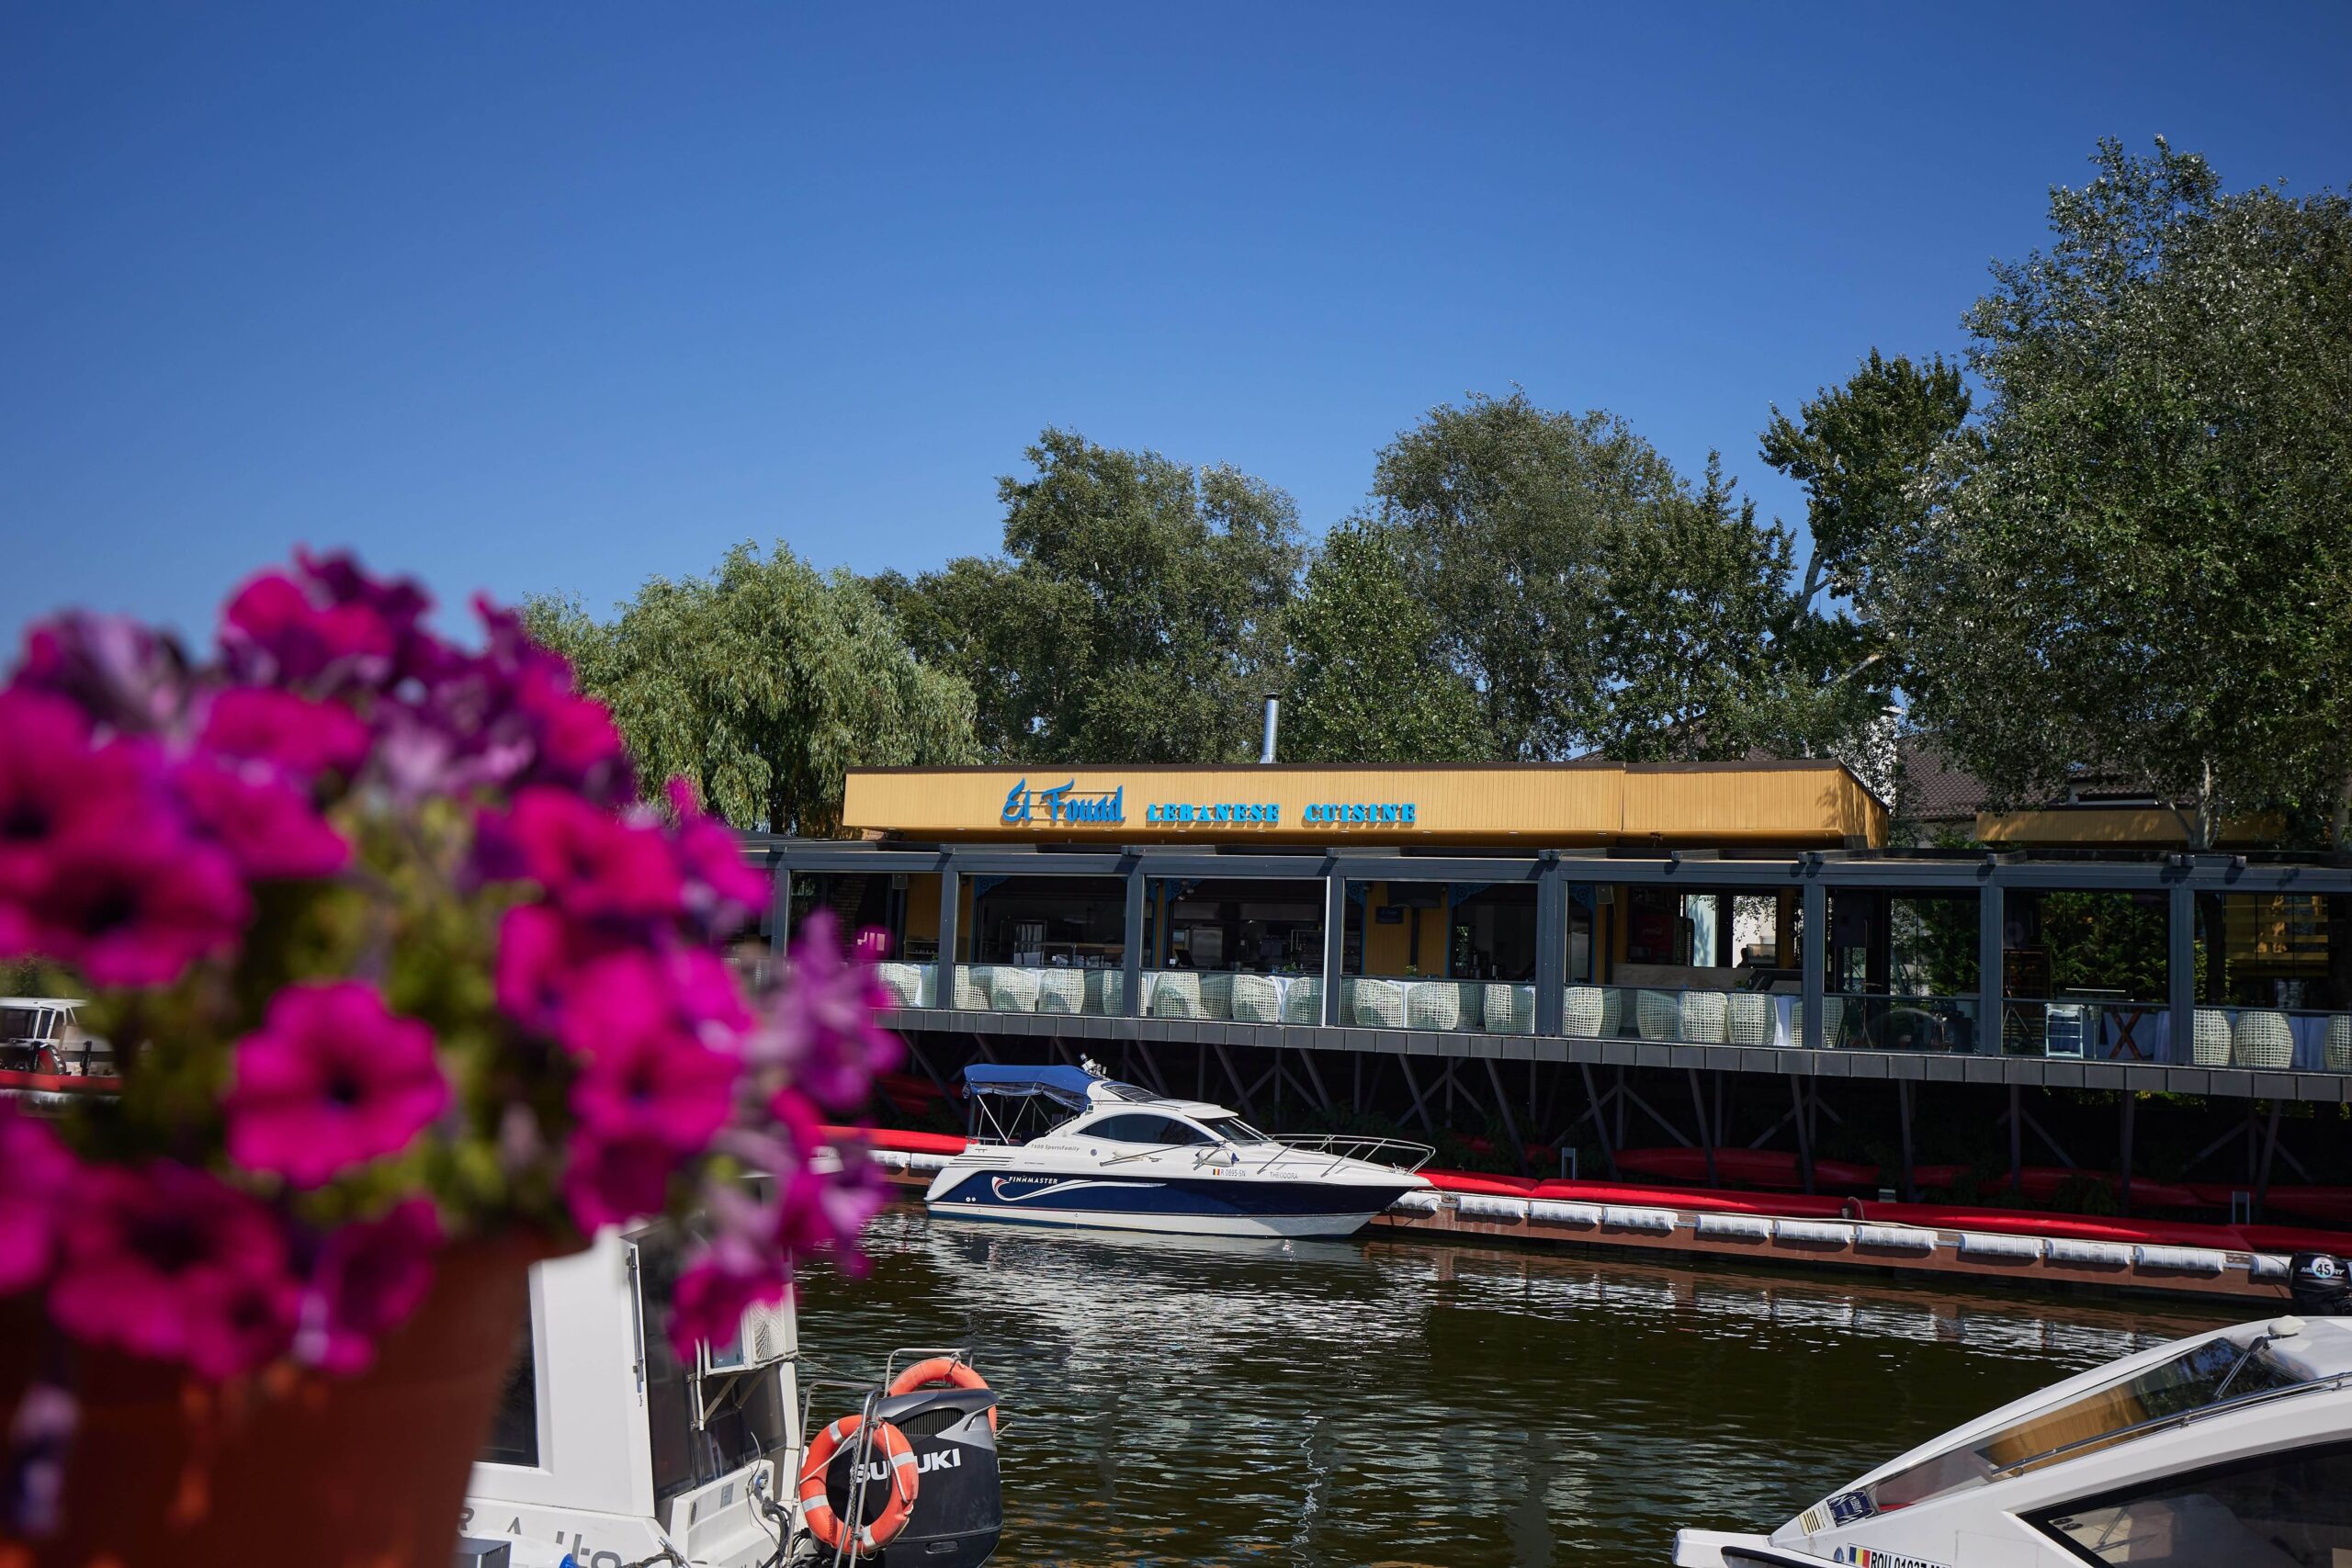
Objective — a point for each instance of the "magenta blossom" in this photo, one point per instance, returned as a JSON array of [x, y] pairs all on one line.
[[821, 1026], [642, 1075], [540, 953], [371, 1275], [116, 671], [54, 783], [714, 1292], [266, 823], [133, 907], [612, 1181], [170, 1262], [275, 629], [303, 737], [33, 1199], [591, 864], [333, 1081], [722, 889]]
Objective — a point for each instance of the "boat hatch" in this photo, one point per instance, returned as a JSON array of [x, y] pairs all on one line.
[[2201, 1379]]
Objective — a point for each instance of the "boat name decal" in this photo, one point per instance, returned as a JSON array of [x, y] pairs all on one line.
[[1872, 1557], [1047, 1186]]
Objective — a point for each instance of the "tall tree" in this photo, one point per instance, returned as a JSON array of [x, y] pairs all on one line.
[[1133, 617], [2145, 559], [1369, 681], [763, 682]]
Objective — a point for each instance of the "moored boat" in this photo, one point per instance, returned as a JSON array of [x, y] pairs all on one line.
[[1112, 1154]]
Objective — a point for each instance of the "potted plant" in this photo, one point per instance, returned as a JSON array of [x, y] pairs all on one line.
[[410, 989]]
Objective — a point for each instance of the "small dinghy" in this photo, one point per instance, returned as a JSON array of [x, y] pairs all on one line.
[[1062, 1145]]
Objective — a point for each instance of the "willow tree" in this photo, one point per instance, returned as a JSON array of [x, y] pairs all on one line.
[[763, 682], [1369, 680]]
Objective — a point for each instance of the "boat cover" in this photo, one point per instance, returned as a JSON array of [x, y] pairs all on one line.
[[1069, 1085]]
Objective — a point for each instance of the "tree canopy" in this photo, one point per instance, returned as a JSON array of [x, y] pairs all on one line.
[[1134, 616], [2138, 558], [762, 684]]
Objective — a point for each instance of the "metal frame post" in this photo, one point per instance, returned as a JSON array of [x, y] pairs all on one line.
[[1131, 961], [951, 901], [1990, 932], [1335, 942], [1552, 947], [779, 910], [2180, 970], [1817, 961]]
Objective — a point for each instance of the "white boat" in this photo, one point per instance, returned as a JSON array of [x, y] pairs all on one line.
[[2228, 1450], [607, 1451], [39, 1034], [1120, 1158]]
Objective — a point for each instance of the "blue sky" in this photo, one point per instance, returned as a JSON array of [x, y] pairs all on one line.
[[554, 298]]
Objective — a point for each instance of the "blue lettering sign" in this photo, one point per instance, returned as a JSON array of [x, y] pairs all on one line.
[[1066, 804]]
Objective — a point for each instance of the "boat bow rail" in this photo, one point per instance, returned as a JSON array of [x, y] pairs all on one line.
[[1397, 1153]]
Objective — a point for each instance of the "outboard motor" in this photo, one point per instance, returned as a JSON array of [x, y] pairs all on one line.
[[960, 1502], [2320, 1284]]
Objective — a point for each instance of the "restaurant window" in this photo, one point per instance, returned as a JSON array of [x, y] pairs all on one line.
[[2287, 1509]]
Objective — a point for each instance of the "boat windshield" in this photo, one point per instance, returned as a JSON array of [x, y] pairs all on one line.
[[2197, 1378], [1234, 1130]]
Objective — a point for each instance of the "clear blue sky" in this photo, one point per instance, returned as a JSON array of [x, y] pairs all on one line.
[[557, 296]]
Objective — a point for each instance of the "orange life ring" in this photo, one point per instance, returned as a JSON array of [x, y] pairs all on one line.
[[818, 1509], [941, 1370]]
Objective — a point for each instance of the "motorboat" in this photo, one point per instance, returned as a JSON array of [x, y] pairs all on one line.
[[40, 1034], [606, 1450], [2226, 1449], [1065, 1145]]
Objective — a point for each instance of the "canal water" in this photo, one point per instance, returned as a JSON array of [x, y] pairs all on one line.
[[1192, 1401]]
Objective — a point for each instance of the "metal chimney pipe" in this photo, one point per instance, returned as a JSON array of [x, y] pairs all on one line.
[[1274, 722]]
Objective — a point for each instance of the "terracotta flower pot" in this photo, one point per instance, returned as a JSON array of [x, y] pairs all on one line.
[[288, 1469]]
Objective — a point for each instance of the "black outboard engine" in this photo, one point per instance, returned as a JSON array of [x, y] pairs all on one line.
[[959, 1503], [2320, 1284]]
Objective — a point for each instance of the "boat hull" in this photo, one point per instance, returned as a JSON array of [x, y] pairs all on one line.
[[1165, 1206]]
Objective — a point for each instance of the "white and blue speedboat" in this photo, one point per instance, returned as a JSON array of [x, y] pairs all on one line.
[[1113, 1155]]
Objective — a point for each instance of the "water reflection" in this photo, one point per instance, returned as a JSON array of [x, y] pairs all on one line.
[[1182, 1400]]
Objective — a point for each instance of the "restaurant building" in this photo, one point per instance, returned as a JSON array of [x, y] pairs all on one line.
[[1731, 918]]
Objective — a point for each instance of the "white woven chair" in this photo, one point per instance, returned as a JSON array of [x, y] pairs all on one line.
[[910, 984], [2339, 1043], [1216, 996], [1303, 1000], [1833, 1018], [1612, 1012], [1749, 1018], [1657, 1015], [1176, 994], [1376, 1004], [2209, 1039], [1061, 991], [1702, 1016], [1255, 998], [972, 982], [2263, 1040], [1510, 1009], [1013, 988], [1432, 1004], [1580, 1011]]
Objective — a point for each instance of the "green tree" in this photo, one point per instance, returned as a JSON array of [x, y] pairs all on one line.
[[2140, 558], [1369, 681], [1136, 616], [762, 682]]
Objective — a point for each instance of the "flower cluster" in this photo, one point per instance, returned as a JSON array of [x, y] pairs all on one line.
[[394, 954]]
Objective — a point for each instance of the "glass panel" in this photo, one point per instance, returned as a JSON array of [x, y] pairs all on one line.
[[2282, 1511], [1899, 1022], [514, 1430], [1234, 1130]]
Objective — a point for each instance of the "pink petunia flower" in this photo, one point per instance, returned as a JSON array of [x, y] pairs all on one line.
[[275, 629], [592, 864], [40, 1173], [170, 1262], [609, 1181], [55, 783], [821, 1026], [716, 1288], [296, 733], [121, 673], [268, 826], [134, 905], [540, 953], [370, 1276], [642, 1075], [332, 1079], [722, 890]]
